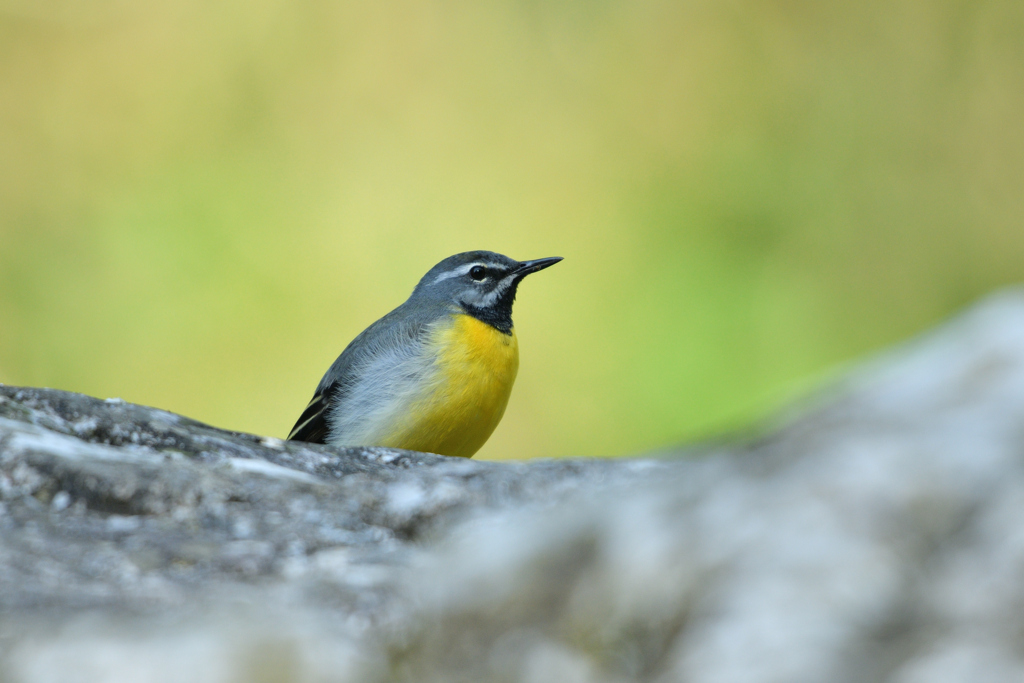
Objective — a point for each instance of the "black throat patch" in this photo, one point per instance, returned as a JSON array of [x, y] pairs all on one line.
[[499, 314]]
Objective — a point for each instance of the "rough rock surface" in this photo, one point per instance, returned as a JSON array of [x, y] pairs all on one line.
[[874, 534]]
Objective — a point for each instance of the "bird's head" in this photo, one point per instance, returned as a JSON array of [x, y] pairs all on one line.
[[482, 283]]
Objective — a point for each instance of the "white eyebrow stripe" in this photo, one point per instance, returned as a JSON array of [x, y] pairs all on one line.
[[462, 270]]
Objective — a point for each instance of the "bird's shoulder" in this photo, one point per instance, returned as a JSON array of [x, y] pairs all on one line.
[[397, 336]]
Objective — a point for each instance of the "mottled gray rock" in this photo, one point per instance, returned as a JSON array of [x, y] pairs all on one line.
[[872, 534]]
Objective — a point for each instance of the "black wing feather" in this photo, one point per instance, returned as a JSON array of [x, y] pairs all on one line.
[[312, 424]]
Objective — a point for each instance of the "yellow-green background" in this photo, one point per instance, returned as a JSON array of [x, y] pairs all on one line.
[[202, 202]]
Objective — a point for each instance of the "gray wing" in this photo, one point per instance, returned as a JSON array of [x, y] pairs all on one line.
[[399, 329]]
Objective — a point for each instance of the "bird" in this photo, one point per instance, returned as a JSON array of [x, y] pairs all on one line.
[[433, 375]]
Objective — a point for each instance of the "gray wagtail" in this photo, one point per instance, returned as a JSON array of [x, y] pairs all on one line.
[[434, 374]]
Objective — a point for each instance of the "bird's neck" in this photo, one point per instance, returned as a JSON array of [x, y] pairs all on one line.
[[498, 315], [500, 320]]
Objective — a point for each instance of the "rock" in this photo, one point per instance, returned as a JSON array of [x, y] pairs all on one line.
[[872, 533]]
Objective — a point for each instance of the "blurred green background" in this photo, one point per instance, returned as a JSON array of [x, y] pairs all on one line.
[[202, 203]]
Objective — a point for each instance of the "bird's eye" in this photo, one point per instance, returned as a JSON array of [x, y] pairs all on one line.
[[478, 272]]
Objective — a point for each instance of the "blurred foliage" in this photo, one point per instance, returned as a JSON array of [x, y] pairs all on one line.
[[202, 203]]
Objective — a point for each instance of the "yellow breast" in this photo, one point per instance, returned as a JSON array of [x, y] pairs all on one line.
[[476, 367]]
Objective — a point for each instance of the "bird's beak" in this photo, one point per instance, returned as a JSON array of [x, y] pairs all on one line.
[[527, 267]]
